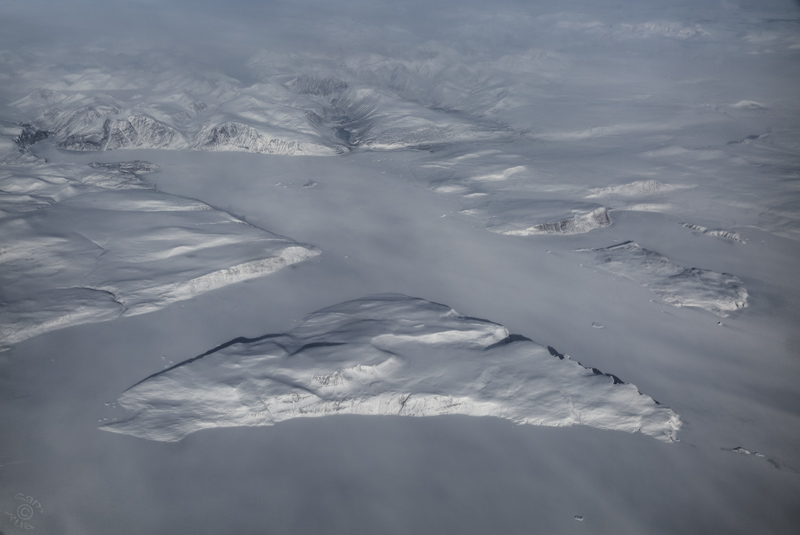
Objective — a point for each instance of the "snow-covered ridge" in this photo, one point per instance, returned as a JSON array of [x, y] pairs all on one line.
[[528, 218], [91, 243], [720, 293], [635, 189], [715, 232], [387, 354], [173, 122]]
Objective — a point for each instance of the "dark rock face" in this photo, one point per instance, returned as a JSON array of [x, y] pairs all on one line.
[[30, 135]]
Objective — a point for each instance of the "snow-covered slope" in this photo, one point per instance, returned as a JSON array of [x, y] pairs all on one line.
[[720, 293], [544, 120], [233, 136], [385, 355], [90, 243]]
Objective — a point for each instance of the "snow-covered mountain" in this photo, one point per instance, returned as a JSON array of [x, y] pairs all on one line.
[[618, 180], [385, 355]]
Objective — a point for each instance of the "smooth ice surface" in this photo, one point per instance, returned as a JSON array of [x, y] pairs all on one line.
[[385, 355]]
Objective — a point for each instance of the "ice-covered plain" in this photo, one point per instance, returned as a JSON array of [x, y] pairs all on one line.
[[615, 180]]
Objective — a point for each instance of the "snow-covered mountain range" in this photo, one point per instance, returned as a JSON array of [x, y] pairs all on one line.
[[617, 181]]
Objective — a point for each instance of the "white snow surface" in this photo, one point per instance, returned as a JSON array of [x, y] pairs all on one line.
[[385, 355]]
